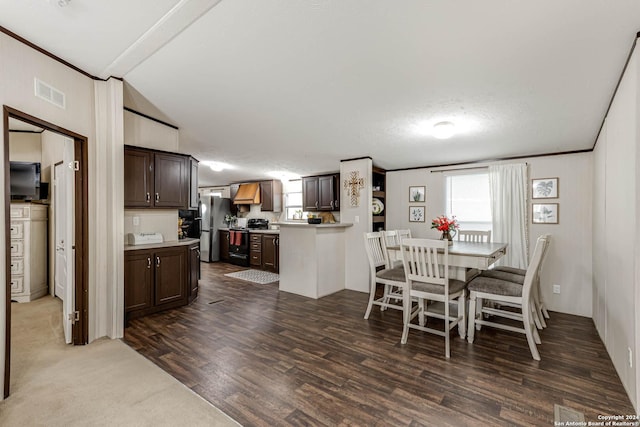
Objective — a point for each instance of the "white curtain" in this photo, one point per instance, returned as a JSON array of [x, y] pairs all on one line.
[[508, 191]]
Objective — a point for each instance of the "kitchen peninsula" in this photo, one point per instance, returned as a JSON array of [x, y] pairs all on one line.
[[312, 258]]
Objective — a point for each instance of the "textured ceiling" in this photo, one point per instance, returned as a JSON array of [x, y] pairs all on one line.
[[299, 85]]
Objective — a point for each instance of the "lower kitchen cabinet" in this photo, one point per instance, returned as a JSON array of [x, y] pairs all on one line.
[[224, 245], [270, 252], [194, 270], [159, 279], [255, 250]]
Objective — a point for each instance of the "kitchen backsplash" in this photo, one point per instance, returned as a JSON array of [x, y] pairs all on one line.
[[256, 212], [164, 221]]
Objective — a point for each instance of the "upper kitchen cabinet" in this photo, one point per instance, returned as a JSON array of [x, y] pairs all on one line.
[[138, 178], [155, 179], [321, 193], [271, 196], [193, 184]]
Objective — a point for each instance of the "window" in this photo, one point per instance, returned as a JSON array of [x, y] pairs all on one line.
[[469, 200], [293, 199]]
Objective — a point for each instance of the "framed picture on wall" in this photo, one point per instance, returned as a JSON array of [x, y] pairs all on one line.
[[417, 194], [544, 188], [545, 213], [416, 213]]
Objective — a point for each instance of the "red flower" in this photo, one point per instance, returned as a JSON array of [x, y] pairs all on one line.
[[442, 223]]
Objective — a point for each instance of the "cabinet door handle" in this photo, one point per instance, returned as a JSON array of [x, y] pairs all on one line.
[[336, 204], [157, 197], [149, 262], [198, 252], [316, 204], [157, 261], [331, 204], [148, 197]]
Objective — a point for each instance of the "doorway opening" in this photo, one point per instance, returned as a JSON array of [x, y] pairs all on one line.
[[78, 325]]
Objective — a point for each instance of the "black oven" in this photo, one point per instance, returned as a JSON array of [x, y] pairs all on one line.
[[239, 241], [239, 246]]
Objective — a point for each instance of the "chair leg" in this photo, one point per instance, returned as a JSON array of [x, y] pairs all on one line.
[[529, 331], [472, 317], [462, 314], [479, 312], [539, 317], [372, 295], [385, 299], [447, 331], [421, 316], [406, 315]]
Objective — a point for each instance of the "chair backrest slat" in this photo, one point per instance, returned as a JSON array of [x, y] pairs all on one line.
[[421, 263], [474, 236], [375, 249]]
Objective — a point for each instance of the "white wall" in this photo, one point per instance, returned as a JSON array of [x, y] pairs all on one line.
[[356, 263], [142, 132], [18, 68], [569, 260], [164, 221], [25, 147], [616, 231]]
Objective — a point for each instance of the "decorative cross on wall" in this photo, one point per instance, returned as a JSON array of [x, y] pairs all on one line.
[[353, 186]]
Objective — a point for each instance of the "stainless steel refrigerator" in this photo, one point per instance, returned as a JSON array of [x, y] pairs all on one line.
[[212, 211]]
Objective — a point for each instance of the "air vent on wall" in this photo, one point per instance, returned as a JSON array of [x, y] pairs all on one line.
[[49, 93]]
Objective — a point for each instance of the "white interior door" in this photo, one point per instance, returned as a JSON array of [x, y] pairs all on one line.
[[65, 253]]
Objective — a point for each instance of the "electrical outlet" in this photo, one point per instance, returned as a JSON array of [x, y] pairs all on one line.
[[136, 220], [630, 357], [556, 289]]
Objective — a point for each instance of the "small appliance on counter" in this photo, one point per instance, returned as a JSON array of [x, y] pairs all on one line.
[[145, 238], [257, 224]]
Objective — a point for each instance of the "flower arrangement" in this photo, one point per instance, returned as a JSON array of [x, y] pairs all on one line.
[[442, 223], [228, 218]]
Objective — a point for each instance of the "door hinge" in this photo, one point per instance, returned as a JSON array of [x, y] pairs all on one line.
[[74, 317], [75, 165]]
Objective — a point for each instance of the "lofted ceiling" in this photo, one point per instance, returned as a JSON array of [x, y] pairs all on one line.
[[276, 85]]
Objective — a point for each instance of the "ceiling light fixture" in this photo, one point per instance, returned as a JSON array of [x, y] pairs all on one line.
[[217, 166], [284, 175], [63, 3], [443, 130]]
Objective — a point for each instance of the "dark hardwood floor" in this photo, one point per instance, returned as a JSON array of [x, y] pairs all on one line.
[[270, 358]]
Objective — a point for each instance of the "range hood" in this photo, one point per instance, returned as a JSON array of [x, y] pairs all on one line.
[[248, 194]]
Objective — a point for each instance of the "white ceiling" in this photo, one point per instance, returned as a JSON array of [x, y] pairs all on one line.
[[270, 85]]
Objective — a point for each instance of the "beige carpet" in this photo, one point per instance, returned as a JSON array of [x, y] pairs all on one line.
[[105, 383]]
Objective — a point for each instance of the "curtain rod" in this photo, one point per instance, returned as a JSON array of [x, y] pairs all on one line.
[[463, 169], [460, 169]]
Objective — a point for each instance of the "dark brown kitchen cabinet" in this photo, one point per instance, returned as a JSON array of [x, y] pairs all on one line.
[[224, 245], [255, 250], [271, 196], [138, 280], [193, 184], [138, 178], [155, 179], [310, 193], [171, 181], [194, 270], [270, 252], [158, 279], [321, 193]]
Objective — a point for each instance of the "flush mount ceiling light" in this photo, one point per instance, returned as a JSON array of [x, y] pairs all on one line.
[[443, 130], [63, 3], [284, 175], [217, 166]]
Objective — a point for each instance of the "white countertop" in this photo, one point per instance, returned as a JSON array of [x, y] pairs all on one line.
[[305, 225], [168, 244]]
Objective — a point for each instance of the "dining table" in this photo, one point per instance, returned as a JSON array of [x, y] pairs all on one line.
[[466, 259]]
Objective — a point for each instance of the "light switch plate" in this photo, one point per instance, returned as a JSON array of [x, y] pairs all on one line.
[[556, 289], [136, 220]]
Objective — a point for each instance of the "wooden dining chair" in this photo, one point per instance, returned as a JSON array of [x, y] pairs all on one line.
[[428, 280], [517, 275], [403, 234], [391, 239], [474, 236], [392, 279], [484, 288]]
